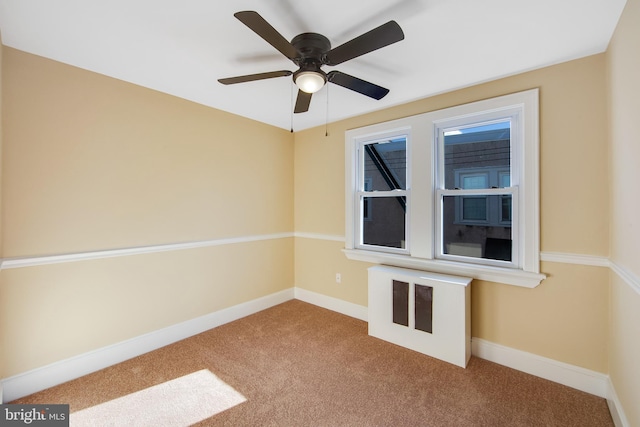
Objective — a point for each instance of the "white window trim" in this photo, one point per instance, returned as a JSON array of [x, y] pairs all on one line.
[[423, 128]]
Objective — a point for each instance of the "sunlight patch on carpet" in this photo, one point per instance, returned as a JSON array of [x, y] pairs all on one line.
[[179, 402]]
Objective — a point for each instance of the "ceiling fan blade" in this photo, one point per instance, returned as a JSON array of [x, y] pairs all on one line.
[[262, 28], [252, 77], [302, 102], [358, 85], [379, 37]]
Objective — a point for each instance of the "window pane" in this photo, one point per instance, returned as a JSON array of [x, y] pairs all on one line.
[[473, 156], [489, 239], [385, 165], [505, 209], [475, 181], [474, 208], [505, 179], [385, 223]]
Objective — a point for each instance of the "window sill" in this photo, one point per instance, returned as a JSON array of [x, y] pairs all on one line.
[[507, 276]]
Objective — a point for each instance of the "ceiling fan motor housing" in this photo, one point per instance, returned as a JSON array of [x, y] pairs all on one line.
[[312, 46]]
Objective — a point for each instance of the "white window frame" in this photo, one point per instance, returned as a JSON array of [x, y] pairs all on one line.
[[422, 226]]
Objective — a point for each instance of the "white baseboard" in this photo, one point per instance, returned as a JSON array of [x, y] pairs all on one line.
[[573, 376], [65, 370], [340, 306], [615, 408], [48, 376], [576, 377]]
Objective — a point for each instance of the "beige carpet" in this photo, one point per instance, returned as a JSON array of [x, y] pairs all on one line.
[[300, 365], [182, 401]]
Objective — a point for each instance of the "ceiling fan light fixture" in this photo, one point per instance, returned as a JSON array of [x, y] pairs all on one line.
[[310, 81]]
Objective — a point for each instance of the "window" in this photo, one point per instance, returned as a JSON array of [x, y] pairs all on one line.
[[452, 191], [382, 195], [474, 195]]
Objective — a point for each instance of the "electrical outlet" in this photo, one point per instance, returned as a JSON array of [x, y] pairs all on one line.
[[338, 278]]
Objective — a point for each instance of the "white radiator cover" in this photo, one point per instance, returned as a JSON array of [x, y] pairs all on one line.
[[450, 337]]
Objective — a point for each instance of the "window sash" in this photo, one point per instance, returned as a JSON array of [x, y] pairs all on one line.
[[363, 211], [364, 215], [515, 231]]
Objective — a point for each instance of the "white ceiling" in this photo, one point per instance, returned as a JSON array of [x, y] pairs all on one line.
[[181, 47]]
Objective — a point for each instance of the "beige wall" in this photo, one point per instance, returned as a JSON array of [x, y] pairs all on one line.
[[566, 317], [623, 68], [108, 164], [92, 163]]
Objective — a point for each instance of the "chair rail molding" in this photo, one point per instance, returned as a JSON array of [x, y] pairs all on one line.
[[32, 261]]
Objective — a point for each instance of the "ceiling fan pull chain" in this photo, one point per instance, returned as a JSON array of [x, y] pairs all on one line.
[[326, 120], [291, 101]]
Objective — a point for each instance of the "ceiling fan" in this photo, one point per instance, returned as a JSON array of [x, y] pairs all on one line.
[[310, 51]]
